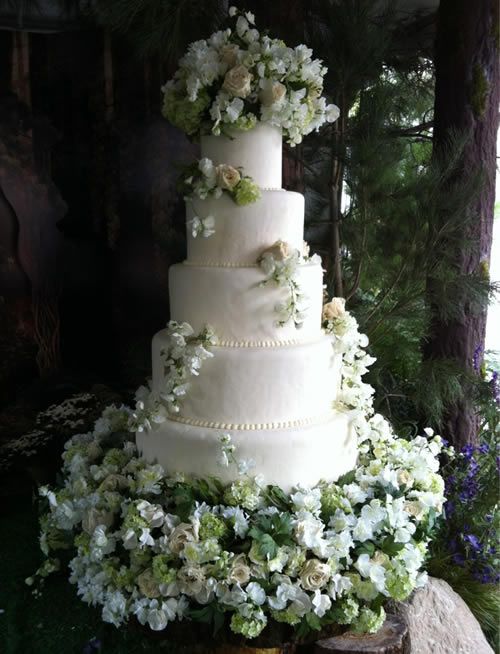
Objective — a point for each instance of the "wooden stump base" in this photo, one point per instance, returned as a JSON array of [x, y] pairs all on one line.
[[392, 638]]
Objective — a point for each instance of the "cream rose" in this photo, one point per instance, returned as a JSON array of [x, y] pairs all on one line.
[[240, 571], [148, 585], [191, 579], [237, 81], [182, 534], [405, 478], [114, 482], [227, 176], [315, 574], [94, 517], [414, 508], [271, 92], [279, 251], [334, 309], [229, 54]]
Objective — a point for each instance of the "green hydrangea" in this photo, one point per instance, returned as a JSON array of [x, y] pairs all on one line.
[[246, 191], [162, 571], [244, 493], [348, 611], [286, 616], [116, 457], [183, 113], [133, 520], [211, 526], [82, 542], [331, 500], [245, 122], [249, 627], [364, 589], [121, 577], [399, 586], [201, 552], [369, 621]]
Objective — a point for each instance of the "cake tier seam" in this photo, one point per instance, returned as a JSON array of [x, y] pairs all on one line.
[[281, 424], [268, 344]]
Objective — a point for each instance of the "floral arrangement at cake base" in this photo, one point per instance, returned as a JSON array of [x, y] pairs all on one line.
[[252, 562]]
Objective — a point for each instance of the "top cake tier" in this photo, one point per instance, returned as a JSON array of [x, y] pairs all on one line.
[[257, 151]]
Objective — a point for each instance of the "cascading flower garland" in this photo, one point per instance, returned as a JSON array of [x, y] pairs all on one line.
[[239, 76], [164, 547], [280, 264], [182, 355]]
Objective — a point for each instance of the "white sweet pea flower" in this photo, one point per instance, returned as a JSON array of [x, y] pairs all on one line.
[[322, 603], [256, 593]]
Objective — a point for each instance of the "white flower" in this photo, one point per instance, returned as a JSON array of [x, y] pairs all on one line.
[[256, 593], [307, 499], [371, 570], [322, 603], [145, 539], [271, 92], [202, 226], [308, 529], [233, 11]]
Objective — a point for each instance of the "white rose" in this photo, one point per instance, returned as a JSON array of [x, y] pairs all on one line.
[[240, 571], [227, 176], [229, 54], [191, 579], [279, 251], [237, 81], [334, 309], [94, 517], [271, 92], [148, 584], [182, 534], [315, 574], [415, 509], [114, 482], [405, 478]]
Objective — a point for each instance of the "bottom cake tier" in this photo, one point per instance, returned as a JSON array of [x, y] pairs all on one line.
[[284, 457]]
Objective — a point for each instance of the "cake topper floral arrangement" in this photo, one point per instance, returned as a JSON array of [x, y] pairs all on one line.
[[240, 76]]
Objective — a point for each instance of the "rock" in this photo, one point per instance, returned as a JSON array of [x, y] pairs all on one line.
[[440, 622]]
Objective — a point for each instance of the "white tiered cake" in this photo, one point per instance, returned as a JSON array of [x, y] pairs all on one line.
[[271, 387]]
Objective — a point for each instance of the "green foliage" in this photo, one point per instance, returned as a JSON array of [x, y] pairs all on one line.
[[271, 532], [160, 27]]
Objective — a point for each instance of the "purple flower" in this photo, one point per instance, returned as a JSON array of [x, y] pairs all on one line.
[[476, 357], [94, 645], [473, 542], [468, 451]]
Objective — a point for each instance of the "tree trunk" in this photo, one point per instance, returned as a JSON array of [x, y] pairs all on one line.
[[467, 100], [392, 638], [336, 181]]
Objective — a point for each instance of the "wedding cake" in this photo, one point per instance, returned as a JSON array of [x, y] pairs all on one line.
[[271, 386]]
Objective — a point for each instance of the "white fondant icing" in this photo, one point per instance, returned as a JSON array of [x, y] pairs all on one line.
[[285, 457], [243, 232], [258, 151], [231, 300], [259, 385]]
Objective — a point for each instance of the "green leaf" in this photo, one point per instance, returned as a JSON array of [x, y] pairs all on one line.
[[313, 621]]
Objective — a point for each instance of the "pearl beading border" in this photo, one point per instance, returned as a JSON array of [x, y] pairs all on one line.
[[219, 264], [285, 424], [270, 344]]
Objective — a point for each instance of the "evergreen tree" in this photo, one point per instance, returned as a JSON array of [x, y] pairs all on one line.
[[467, 100]]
